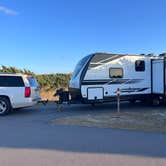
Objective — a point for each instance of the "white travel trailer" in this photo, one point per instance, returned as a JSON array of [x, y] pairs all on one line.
[[97, 77]]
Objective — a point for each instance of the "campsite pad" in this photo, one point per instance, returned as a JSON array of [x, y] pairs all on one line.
[[146, 121]]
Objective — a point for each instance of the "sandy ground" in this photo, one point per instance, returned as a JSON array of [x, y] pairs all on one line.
[[48, 94], [27, 157]]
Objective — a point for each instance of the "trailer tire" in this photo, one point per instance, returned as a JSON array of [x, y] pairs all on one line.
[[132, 101], [93, 104], [155, 102]]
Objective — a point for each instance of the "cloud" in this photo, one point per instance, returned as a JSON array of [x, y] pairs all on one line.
[[7, 10]]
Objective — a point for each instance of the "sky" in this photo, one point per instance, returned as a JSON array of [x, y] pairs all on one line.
[[50, 36]]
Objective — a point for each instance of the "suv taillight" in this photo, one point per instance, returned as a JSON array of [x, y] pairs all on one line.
[[27, 91]]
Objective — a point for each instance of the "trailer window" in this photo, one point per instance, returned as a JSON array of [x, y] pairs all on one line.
[[140, 65], [80, 65], [116, 72]]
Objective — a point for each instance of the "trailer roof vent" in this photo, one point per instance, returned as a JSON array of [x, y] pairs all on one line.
[[163, 54]]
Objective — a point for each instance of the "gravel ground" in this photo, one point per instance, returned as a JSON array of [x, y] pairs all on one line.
[[146, 120]]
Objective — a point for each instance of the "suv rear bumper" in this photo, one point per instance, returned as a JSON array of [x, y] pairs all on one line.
[[37, 100]]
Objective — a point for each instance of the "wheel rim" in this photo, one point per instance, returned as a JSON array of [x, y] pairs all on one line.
[[3, 107]]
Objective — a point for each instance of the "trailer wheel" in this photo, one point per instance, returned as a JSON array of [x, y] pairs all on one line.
[[132, 101], [93, 104], [155, 102]]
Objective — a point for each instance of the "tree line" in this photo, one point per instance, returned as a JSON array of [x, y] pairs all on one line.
[[49, 81]]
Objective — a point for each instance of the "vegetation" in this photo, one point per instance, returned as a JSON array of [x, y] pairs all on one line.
[[53, 81], [46, 81], [15, 70]]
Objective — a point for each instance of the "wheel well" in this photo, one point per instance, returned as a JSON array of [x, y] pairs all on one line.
[[5, 97], [9, 104]]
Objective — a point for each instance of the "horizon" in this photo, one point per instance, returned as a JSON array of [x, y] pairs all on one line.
[[51, 37]]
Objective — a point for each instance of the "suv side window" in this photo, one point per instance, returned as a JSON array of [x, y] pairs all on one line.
[[11, 81], [140, 65]]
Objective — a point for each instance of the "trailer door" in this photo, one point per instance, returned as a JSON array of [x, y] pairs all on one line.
[[158, 76]]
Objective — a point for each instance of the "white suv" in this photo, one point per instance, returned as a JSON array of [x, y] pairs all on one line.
[[17, 91]]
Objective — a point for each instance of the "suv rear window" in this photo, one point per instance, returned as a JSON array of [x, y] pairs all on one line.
[[33, 82], [11, 81]]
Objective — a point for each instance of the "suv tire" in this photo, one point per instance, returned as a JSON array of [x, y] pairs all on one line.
[[5, 106]]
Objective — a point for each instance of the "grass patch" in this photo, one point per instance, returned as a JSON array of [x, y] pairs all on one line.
[[147, 121]]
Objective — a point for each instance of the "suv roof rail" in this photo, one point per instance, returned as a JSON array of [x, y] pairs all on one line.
[[8, 73]]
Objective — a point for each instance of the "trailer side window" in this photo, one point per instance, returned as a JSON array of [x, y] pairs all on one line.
[[116, 72], [140, 65]]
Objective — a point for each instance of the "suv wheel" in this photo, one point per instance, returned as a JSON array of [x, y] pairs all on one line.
[[5, 106]]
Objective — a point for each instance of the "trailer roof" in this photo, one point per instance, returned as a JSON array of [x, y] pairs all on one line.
[[113, 54], [101, 58]]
